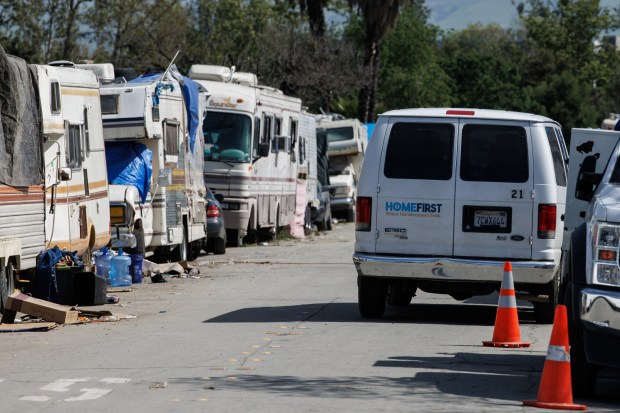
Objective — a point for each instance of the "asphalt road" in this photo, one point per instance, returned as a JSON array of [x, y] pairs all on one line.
[[275, 328]]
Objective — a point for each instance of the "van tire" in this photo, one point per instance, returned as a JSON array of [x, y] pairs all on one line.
[[371, 294], [400, 293], [544, 312], [7, 284]]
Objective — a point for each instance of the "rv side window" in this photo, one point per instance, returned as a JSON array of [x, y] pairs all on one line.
[[494, 153], [418, 151], [267, 129], [55, 98], [171, 136], [86, 132], [556, 153], [293, 134], [256, 137], [278, 127], [109, 104], [73, 150]]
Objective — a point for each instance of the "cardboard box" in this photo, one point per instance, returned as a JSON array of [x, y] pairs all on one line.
[[19, 302]]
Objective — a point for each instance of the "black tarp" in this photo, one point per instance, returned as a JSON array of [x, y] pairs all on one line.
[[21, 143], [322, 159]]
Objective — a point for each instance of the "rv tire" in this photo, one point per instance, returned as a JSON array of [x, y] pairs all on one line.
[[7, 284], [180, 252]]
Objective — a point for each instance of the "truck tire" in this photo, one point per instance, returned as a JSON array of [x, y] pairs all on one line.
[[140, 248], [371, 294], [234, 237], [7, 284]]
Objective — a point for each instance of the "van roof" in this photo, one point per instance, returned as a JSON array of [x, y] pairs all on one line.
[[468, 113]]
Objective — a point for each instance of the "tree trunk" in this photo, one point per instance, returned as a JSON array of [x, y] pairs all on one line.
[[367, 94]]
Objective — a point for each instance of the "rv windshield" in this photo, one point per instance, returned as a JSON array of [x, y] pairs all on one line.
[[227, 137], [339, 134]]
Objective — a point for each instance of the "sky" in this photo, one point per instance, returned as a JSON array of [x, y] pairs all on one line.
[[458, 14]]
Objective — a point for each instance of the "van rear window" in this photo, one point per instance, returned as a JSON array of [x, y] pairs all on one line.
[[420, 151], [494, 153]]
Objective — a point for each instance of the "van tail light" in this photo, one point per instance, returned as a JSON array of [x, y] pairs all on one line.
[[213, 211], [363, 212], [546, 221]]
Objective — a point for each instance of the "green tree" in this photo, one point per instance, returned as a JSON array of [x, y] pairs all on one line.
[[378, 18], [484, 63], [410, 72]]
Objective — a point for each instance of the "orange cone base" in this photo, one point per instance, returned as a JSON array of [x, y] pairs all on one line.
[[511, 344], [557, 406]]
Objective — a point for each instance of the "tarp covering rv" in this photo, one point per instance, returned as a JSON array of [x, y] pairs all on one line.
[[20, 136], [135, 169]]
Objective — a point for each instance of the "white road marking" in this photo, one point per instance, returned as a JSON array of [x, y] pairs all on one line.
[[115, 380], [62, 384], [89, 394], [35, 398], [1, 380]]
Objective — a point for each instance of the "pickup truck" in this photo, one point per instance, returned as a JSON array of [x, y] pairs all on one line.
[[591, 282]]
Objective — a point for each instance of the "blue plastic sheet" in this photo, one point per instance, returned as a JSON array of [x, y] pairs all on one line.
[[130, 163]]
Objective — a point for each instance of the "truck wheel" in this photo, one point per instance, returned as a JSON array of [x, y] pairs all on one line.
[[140, 248], [371, 294], [400, 293], [7, 284], [583, 374], [234, 237], [544, 313]]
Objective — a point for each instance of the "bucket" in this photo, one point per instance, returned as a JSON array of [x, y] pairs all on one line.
[[136, 268], [102, 263]]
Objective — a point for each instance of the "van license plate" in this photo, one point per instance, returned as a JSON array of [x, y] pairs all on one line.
[[490, 219]]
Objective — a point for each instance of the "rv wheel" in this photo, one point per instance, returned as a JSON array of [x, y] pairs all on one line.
[[180, 253], [7, 284]]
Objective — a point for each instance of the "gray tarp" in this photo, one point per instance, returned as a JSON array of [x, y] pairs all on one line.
[[21, 153]]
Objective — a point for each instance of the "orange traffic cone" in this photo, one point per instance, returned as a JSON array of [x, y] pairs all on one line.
[[506, 332], [555, 391]]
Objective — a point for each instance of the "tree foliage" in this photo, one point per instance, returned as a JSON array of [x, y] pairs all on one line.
[[356, 57]]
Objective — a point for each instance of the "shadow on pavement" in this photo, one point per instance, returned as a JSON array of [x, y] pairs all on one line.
[[461, 314]]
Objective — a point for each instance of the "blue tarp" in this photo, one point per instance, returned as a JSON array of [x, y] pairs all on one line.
[[190, 97], [130, 163]]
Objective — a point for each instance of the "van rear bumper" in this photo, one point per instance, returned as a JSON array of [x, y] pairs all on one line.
[[452, 269]]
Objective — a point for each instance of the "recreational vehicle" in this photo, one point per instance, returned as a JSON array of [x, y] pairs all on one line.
[[53, 189], [250, 134], [154, 150]]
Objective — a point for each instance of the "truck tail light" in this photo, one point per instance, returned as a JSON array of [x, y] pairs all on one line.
[[546, 221], [363, 212]]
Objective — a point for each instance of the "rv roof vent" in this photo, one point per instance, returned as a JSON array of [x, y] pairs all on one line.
[[244, 78], [270, 89], [62, 63], [210, 72], [104, 71]]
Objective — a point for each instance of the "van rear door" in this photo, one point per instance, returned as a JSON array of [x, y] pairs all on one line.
[[494, 183], [415, 208]]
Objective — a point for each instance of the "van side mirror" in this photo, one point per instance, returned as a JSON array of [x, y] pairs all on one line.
[[263, 149], [587, 179]]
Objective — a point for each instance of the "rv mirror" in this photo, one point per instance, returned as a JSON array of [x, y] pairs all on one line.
[[263, 149], [587, 179], [64, 174], [165, 177]]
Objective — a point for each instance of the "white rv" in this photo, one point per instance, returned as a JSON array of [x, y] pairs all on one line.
[[250, 132], [54, 189], [346, 139], [154, 151]]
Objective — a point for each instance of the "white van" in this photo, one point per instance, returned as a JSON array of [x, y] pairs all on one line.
[[446, 196]]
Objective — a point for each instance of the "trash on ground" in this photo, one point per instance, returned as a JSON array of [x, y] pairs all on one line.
[[29, 326], [46, 310]]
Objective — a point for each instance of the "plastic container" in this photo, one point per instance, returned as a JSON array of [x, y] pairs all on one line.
[[136, 268], [119, 270], [102, 263]]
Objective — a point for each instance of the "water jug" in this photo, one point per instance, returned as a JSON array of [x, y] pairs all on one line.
[[119, 270], [102, 262]]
